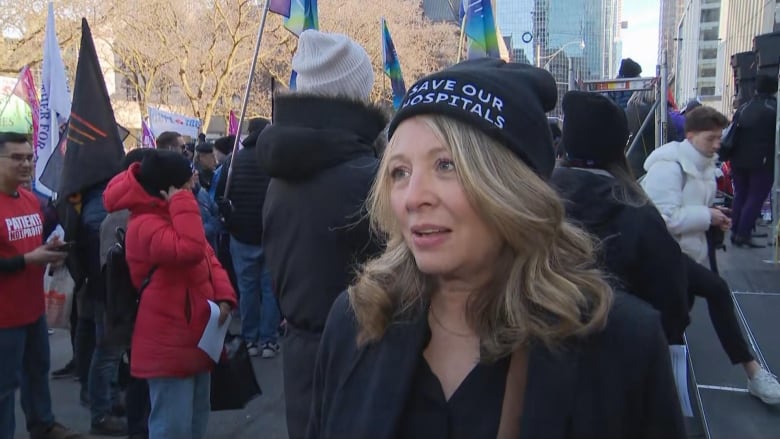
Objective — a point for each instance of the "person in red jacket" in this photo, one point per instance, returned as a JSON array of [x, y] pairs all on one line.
[[24, 338], [166, 249]]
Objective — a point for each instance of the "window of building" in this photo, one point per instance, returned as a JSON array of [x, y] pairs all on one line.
[[707, 91], [709, 34], [708, 53], [707, 72], [710, 15]]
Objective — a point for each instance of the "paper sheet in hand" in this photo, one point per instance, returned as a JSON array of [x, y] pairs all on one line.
[[679, 354], [213, 339]]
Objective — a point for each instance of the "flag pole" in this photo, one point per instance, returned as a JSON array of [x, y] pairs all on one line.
[[460, 40], [260, 30]]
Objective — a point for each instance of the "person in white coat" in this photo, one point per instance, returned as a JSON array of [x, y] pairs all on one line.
[[680, 181]]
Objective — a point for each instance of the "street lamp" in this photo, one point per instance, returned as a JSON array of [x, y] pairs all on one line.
[[549, 59]]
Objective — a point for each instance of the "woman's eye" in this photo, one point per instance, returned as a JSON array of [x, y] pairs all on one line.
[[398, 173], [445, 165]]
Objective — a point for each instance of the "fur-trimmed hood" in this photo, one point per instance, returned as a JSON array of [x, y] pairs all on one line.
[[311, 133]]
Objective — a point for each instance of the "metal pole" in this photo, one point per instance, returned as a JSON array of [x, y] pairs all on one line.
[[664, 108], [571, 74], [246, 96], [658, 97], [538, 54], [638, 134], [462, 37], [773, 232]]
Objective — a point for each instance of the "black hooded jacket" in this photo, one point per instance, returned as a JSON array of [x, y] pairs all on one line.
[[755, 138], [636, 247], [321, 156], [247, 194]]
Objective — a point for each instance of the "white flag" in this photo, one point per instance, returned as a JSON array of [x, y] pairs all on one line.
[[55, 102]]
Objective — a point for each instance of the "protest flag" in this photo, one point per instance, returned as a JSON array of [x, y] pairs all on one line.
[[392, 66]]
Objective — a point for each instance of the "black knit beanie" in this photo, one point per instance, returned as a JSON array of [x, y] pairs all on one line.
[[507, 101], [595, 129], [163, 169]]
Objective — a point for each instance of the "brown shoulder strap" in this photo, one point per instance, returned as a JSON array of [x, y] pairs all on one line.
[[514, 395]]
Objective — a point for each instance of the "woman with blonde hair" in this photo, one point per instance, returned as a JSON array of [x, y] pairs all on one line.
[[484, 316]]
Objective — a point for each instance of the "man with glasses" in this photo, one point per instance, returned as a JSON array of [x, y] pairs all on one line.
[[24, 340], [172, 141]]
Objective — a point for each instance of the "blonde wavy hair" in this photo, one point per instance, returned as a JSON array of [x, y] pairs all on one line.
[[546, 287]]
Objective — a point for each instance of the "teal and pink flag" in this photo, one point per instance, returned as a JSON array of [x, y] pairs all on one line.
[[481, 29], [392, 66], [303, 16]]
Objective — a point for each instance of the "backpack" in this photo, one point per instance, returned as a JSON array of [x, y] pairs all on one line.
[[122, 298]]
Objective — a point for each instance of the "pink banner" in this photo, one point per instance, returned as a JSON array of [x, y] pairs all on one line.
[[232, 124], [147, 138], [27, 85]]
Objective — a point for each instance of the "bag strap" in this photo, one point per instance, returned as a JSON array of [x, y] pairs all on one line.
[[514, 395]]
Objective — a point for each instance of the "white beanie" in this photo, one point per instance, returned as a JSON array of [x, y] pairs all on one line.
[[332, 65]]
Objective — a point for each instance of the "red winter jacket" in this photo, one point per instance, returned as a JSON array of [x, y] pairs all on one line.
[[173, 311]]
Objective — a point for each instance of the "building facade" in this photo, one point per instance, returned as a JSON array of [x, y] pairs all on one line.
[[741, 22], [694, 59], [668, 28], [561, 34]]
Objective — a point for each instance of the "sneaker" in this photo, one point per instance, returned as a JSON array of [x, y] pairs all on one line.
[[109, 426], [55, 431], [252, 349], [270, 350], [765, 387], [65, 372]]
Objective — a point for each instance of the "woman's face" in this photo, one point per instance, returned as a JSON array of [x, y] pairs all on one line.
[[443, 230]]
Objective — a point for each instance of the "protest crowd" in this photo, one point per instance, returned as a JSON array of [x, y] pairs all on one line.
[[445, 269]]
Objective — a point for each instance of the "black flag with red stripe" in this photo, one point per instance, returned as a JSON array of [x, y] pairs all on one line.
[[94, 150]]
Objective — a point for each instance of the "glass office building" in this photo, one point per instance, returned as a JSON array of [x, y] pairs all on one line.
[[551, 33]]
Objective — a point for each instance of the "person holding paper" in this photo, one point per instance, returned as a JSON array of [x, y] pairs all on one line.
[[167, 252], [24, 339]]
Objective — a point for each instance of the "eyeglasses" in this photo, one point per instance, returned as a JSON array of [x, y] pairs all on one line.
[[20, 158]]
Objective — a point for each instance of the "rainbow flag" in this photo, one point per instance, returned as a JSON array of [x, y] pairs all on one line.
[[481, 29], [303, 16], [392, 66]]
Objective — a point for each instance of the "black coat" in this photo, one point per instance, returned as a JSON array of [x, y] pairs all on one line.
[[248, 187], [754, 147], [321, 157], [635, 245], [614, 384]]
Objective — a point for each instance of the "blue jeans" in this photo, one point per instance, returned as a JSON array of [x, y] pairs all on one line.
[[180, 407], [25, 363], [254, 283], [103, 388]]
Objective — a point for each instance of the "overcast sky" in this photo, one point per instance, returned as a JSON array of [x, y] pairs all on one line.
[[640, 40]]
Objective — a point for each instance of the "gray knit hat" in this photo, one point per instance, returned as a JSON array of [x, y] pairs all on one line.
[[332, 65]]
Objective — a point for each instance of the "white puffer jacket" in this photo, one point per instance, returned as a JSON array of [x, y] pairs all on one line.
[[683, 200]]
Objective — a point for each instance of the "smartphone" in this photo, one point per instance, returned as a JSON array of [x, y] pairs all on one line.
[[66, 247]]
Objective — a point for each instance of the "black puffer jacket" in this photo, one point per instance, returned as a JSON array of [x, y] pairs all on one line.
[[755, 137], [247, 194], [321, 156], [636, 247]]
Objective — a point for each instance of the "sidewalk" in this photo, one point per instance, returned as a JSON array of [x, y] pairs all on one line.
[[263, 418]]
